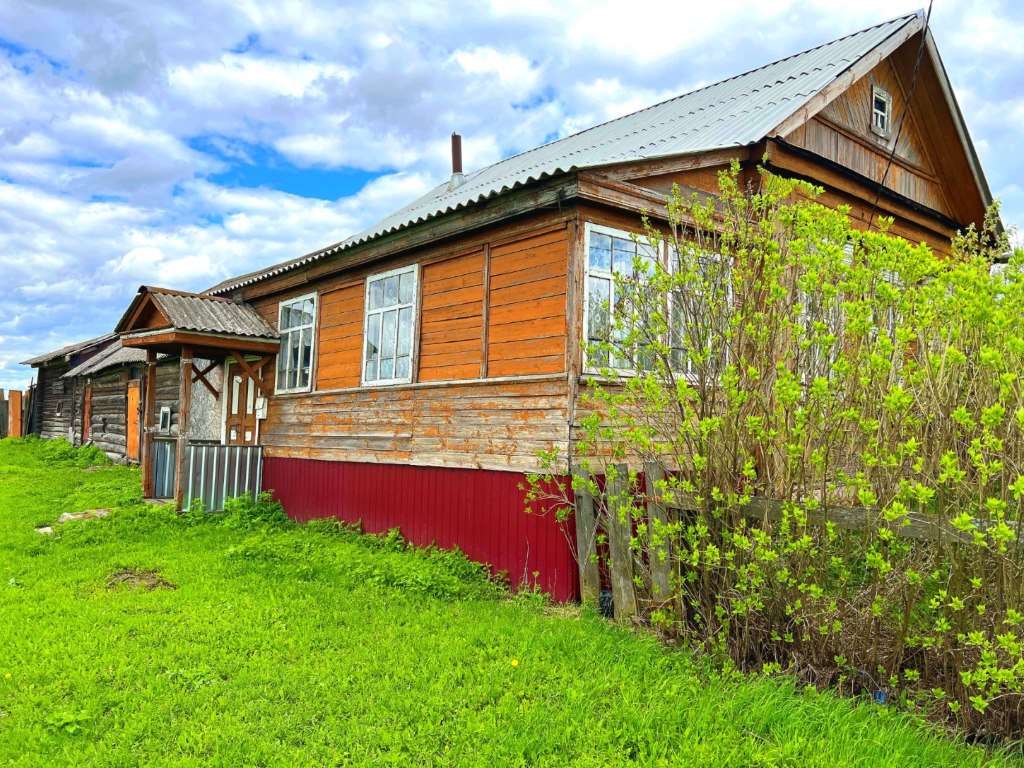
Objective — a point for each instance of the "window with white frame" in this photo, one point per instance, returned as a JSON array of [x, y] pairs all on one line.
[[696, 324], [296, 322], [881, 112], [389, 326], [610, 252]]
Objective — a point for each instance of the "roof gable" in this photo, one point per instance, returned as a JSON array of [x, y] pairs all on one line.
[[159, 308]]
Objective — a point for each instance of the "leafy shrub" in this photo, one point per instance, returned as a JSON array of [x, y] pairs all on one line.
[[244, 513], [839, 422], [60, 452]]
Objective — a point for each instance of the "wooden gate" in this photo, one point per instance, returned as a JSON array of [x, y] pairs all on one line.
[[133, 436]]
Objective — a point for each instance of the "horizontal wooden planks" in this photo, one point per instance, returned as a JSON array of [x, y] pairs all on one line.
[[451, 322], [339, 352], [526, 315], [497, 425]]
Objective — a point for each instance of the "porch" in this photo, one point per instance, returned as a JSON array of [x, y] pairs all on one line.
[[205, 399]]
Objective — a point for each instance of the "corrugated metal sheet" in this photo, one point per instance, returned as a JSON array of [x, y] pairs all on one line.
[[192, 312], [70, 349], [111, 357], [479, 511], [732, 113]]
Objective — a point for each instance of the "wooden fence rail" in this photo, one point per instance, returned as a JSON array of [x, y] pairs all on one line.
[[915, 525]]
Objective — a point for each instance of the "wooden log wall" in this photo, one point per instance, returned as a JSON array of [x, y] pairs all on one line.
[[108, 417], [168, 386], [56, 402]]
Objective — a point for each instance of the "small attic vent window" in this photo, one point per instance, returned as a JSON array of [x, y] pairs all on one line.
[[881, 112]]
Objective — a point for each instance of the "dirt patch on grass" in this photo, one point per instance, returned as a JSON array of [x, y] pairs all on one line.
[[134, 578]]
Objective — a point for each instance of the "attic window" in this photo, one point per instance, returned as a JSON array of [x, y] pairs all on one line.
[[881, 112]]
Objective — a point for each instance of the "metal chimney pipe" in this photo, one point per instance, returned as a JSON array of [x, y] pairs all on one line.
[[456, 154]]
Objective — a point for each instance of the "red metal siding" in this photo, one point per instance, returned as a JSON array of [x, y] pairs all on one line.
[[479, 511]]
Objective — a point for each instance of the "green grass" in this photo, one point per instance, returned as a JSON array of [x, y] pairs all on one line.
[[303, 646]]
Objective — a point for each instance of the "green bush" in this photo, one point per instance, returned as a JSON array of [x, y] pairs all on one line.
[[244, 513], [788, 362]]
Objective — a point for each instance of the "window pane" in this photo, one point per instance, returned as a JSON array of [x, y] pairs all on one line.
[[250, 396], [387, 368], [292, 378], [371, 371], [389, 334], [376, 294], [600, 251], [373, 337], [391, 291], [402, 367], [405, 331], [622, 255], [307, 311], [407, 284], [598, 296], [646, 252], [307, 356], [234, 395]]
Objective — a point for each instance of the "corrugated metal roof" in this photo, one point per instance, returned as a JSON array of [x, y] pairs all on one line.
[[207, 314], [111, 357], [70, 349], [736, 112]]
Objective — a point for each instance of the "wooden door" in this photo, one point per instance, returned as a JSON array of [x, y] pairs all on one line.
[[133, 437], [87, 415], [241, 419], [14, 414]]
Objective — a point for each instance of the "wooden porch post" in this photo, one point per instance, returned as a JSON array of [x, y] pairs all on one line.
[[184, 407], [148, 422]]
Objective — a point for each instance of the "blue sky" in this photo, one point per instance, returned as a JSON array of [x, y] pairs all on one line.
[[180, 143]]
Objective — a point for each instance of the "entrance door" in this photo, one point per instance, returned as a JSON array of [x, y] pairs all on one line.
[[134, 411], [241, 419]]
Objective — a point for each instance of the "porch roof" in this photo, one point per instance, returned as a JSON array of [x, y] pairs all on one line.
[[165, 320]]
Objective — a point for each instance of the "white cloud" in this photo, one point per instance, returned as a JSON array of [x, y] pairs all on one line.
[[150, 143]]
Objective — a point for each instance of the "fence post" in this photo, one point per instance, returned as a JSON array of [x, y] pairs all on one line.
[[586, 544], [620, 533], [657, 539]]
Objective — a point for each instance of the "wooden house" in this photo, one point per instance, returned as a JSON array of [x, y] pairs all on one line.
[[60, 402], [409, 375]]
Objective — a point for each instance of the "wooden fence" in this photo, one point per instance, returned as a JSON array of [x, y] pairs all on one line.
[[619, 533], [16, 412]]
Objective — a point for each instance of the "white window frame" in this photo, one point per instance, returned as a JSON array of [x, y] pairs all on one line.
[[877, 92], [688, 372], [589, 229], [414, 332], [278, 389]]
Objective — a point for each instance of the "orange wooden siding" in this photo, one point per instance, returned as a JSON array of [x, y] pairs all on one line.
[[340, 343], [526, 314], [452, 318]]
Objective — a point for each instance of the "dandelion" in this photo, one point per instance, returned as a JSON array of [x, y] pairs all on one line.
[[515, 663], [7, 676]]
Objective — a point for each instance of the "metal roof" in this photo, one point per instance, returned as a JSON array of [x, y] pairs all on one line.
[[70, 349], [111, 357], [209, 314], [736, 112]]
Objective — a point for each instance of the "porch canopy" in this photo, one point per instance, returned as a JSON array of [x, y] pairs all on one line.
[[194, 326]]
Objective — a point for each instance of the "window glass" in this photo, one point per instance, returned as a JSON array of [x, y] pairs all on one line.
[[387, 354], [295, 357]]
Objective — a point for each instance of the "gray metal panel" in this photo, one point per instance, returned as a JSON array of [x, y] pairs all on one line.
[[732, 113], [211, 315], [70, 349]]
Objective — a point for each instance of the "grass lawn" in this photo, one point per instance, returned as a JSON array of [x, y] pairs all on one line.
[[311, 646]]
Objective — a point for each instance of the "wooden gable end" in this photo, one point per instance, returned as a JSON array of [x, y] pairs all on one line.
[[930, 165], [146, 316]]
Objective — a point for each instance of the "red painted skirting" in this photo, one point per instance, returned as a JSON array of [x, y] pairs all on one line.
[[479, 511]]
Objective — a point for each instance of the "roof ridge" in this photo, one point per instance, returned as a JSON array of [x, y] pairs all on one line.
[[904, 17]]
